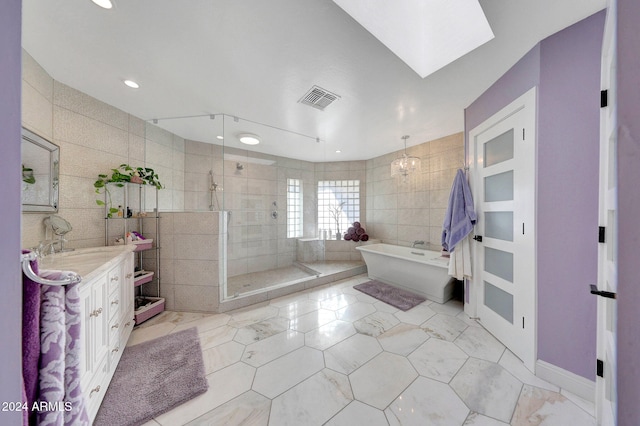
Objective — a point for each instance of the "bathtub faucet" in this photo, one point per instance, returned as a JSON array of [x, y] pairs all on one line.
[[417, 242]]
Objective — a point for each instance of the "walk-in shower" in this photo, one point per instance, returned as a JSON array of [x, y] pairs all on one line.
[[267, 215]]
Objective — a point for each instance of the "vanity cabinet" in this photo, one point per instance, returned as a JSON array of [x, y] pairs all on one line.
[[107, 321]]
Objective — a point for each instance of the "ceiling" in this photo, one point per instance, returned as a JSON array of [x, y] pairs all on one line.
[[255, 59]]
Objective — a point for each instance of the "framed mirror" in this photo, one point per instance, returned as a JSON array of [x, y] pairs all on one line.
[[40, 169]]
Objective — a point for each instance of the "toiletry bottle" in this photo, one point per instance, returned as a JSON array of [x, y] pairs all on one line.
[[129, 212], [119, 211]]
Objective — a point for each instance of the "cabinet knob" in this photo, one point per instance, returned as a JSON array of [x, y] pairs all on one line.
[[114, 350], [127, 324], [115, 302], [129, 275], [115, 326], [114, 278], [95, 312], [96, 389]]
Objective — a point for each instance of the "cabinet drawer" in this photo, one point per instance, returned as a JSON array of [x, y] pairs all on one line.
[[94, 393], [114, 278], [115, 300], [115, 328]]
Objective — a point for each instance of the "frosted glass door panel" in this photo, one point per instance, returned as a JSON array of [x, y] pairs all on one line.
[[499, 225], [499, 301], [499, 187], [499, 263], [499, 149]]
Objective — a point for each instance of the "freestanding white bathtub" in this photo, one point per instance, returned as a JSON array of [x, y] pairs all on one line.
[[420, 271]]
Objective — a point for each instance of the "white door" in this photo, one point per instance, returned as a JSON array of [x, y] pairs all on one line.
[[503, 183], [607, 271]]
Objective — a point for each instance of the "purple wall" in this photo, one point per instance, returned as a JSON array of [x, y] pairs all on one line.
[[628, 212], [567, 187], [566, 68], [11, 284]]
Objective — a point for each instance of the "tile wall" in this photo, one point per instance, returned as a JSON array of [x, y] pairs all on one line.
[[402, 212], [95, 137]]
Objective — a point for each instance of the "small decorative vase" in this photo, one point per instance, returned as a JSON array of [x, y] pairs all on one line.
[[338, 236], [136, 179]]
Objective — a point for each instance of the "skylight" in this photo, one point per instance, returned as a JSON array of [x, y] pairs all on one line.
[[426, 34]]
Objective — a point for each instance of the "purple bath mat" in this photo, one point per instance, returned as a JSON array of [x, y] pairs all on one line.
[[152, 378], [401, 299]]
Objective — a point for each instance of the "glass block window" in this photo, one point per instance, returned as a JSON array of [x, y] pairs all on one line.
[[294, 208], [338, 206]]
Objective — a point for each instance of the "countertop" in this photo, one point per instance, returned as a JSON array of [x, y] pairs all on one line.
[[87, 262]]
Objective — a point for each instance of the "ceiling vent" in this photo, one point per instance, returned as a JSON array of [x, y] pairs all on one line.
[[318, 98]]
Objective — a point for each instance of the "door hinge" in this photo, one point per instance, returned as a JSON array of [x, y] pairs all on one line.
[[601, 234], [478, 238], [602, 293], [523, 322], [523, 134], [604, 98], [599, 368]]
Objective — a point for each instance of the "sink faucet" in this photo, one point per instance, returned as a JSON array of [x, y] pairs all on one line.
[[417, 242]]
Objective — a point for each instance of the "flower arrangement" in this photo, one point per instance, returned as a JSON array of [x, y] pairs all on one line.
[[356, 233]]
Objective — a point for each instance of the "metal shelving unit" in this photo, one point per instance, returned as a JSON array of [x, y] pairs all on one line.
[[127, 220]]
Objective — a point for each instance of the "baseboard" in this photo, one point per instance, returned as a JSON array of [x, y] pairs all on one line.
[[578, 385]]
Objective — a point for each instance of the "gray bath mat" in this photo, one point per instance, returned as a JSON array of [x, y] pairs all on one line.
[[152, 378], [401, 299]]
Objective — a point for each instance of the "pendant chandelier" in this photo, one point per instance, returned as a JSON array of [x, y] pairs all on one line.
[[405, 164]]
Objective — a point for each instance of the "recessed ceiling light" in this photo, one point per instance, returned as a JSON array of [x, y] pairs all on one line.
[[132, 84], [105, 4], [220, 137], [249, 139], [338, 151]]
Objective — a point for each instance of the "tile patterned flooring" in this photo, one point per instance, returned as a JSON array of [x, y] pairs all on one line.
[[335, 356]]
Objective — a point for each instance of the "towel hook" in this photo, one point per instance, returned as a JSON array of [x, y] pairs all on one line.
[[29, 273]]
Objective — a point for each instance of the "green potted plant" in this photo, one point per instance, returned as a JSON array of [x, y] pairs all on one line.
[[124, 173], [27, 175]]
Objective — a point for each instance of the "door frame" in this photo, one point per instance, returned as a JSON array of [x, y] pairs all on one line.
[[607, 262], [526, 100]]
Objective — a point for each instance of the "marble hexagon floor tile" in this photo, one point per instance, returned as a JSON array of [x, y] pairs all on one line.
[[346, 356], [298, 308], [221, 356], [259, 353], [261, 330], [287, 371], [487, 388], [479, 343], [329, 334], [375, 324], [357, 413], [477, 419], [444, 327], [444, 408], [416, 315], [355, 311], [438, 359], [313, 401], [382, 379], [540, 407], [250, 408], [402, 339], [312, 320]]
